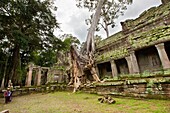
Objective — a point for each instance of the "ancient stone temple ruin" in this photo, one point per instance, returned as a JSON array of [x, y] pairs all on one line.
[[142, 45], [136, 60], [37, 75], [40, 75], [132, 62]]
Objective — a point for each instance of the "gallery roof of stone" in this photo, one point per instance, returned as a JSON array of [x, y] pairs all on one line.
[[150, 15], [150, 28], [110, 39]]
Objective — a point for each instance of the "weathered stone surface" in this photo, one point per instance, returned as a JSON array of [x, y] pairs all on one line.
[[156, 87], [4, 111], [141, 33], [106, 99]]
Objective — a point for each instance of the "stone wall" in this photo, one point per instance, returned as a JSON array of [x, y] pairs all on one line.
[[155, 85], [38, 89], [152, 86]]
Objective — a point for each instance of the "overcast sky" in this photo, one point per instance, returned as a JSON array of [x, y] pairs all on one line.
[[72, 19]]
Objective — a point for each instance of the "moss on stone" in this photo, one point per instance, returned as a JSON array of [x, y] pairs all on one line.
[[150, 37], [116, 54], [137, 40], [151, 15], [110, 40]]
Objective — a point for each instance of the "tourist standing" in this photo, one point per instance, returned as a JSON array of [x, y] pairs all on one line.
[[7, 95]]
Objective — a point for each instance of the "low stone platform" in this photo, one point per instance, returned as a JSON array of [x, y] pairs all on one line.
[[157, 87]]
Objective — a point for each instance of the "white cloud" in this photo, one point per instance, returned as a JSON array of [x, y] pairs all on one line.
[[72, 19], [77, 22]]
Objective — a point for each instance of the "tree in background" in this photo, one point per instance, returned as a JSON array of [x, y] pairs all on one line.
[[111, 10], [28, 26], [62, 55]]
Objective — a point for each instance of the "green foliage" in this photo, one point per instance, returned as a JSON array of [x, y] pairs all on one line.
[[149, 87], [167, 72], [62, 68], [69, 40], [26, 30], [145, 73]]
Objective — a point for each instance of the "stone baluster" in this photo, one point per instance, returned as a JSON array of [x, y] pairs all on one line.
[[163, 56]]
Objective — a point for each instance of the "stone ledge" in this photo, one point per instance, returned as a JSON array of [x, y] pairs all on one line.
[[5, 111]]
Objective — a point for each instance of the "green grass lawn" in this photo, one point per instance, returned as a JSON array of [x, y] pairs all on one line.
[[66, 102]]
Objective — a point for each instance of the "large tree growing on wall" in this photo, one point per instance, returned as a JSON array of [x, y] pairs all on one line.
[[87, 53], [28, 25]]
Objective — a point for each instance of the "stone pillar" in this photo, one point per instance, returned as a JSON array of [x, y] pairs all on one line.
[[129, 63], [29, 78], [114, 68], [39, 77], [163, 56], [135, 66]]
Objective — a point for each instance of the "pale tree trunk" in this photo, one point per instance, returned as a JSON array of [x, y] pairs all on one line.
[[90, 45], [90, 37], [75, 69], [3, 80], [89, 49], [92, 69], [76, 77]]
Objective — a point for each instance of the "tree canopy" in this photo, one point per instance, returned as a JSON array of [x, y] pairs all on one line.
[[26, 28]]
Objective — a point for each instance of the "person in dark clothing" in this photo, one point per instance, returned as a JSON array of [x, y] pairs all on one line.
[[7, 95]]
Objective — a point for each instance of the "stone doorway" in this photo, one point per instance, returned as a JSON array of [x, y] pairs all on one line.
[[34, 78], [122, 66], [44, 77], [148, 59], [88, 75], [105, 70]]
